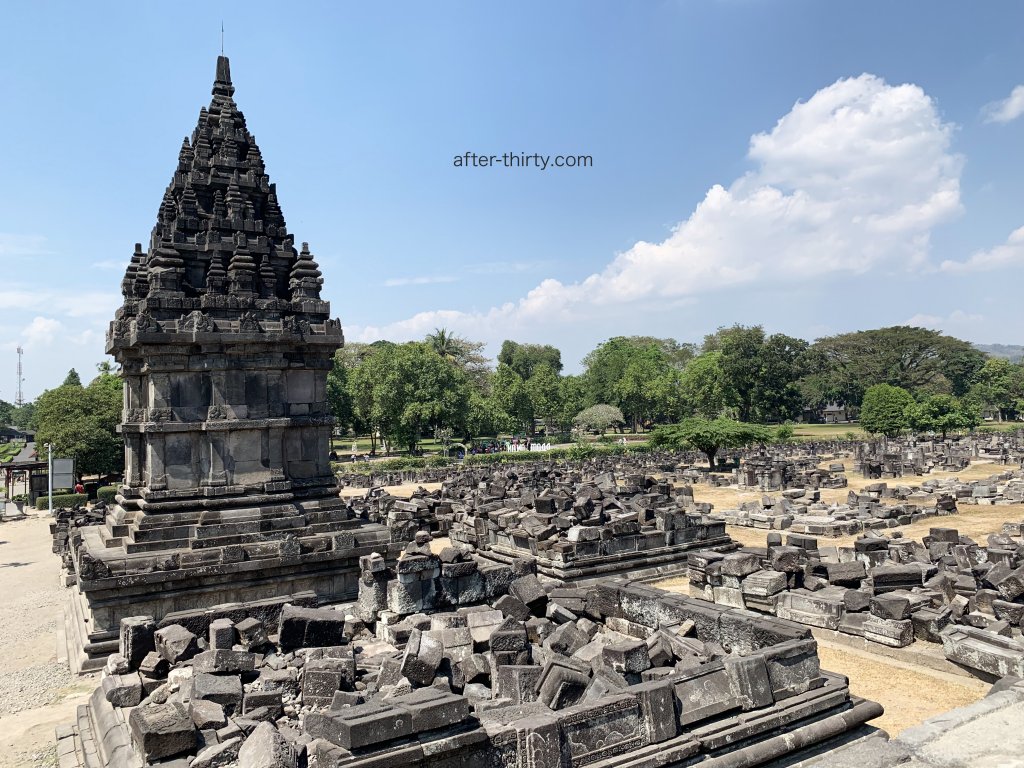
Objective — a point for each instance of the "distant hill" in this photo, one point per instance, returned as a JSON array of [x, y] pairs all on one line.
[[1012, 352]]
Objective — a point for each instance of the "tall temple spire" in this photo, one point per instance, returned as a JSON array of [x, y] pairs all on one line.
[[222, 85], [221, 244]]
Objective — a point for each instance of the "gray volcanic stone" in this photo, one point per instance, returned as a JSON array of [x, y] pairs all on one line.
[[431, 708], [136, 639], [267, 748], [207, 714], [627, 656], [528, 590], [123, 690], [216, 755], [423, 653], [360, 726], [222, 634], [225, 690], [161, 731], [175, 643], [310, 627], [224, 662], [251, 633]]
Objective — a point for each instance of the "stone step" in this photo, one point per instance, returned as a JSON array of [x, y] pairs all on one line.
[[161, 545], [151, 535]]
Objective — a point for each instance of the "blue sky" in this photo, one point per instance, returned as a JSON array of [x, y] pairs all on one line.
[[813, 167]]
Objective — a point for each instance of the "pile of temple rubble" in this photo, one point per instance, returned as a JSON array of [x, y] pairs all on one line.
[[890, 590], [449, 660], [578, 526]]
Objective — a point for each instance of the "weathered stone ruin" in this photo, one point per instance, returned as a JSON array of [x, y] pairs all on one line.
[[874, 507], [224, 345], [581, 527], [892, 591], [774, 473], [445, 661]]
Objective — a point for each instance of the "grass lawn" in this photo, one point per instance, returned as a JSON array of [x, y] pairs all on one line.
[[828, 431]]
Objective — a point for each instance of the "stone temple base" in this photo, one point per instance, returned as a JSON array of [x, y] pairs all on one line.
[[159, 564], [643, 565]]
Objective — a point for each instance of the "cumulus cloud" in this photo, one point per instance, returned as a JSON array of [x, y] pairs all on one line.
[[853, 179], [1008, 254], [1005, 110], [41, 332]]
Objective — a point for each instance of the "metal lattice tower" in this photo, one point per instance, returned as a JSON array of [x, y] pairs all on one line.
[[19, 399]]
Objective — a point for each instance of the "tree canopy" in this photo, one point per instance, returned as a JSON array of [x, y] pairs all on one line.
[[884, 410], [600, 417], [81, 422], [709, 436], [943, 414]]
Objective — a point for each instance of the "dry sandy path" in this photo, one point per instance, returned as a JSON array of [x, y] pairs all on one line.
[[36, 693]]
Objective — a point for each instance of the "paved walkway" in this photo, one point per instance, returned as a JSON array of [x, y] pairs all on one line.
[[26, 453]]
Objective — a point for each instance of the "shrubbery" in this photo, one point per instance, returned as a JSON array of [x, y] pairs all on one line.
[[62, 501], [106, 494]]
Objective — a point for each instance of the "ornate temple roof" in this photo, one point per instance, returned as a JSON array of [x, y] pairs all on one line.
[[221, 244]]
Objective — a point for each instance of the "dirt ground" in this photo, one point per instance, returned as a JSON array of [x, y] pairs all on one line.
[[405, 491], [36, 694], [972, 520]]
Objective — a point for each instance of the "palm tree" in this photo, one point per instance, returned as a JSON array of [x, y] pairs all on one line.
[[446, 344]]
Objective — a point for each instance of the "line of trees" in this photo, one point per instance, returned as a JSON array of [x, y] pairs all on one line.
[[403, 392]]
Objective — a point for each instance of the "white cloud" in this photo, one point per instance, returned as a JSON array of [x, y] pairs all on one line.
[[956, 319], [22, 245], [1008, 254], [1005, 110], [851, 180], [396, 282], [67, 301], [41, 332]]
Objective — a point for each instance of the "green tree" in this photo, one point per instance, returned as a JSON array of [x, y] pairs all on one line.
[[622, 372], [740, 361], [600, 417], [943, 414], [464, 354], [545, 394], [916, 359], [339, 394], [884, 410], [403, 391], [702, 387], [523, 358], [24, 416], [677, 354], [6, 413], [635, 392], [512, 396], [572, 398], [709, 436], [998, 388], [73, 379], [485, 417], [777, 395], [81, 422]]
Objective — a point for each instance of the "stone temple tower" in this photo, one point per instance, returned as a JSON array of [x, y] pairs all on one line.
[[223, 339], [224, 344]]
